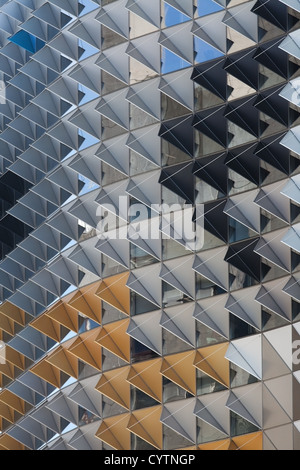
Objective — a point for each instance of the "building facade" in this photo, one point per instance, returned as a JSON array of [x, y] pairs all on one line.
[[149, 224]]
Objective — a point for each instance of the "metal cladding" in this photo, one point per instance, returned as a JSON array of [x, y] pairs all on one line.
[[152, 342]]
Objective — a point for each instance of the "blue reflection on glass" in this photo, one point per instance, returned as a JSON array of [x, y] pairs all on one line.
[[86, 50], [86, 6], [205, 7], [86, 94], [27, 41], [172, 62], [88, 185], [205, 52], [86, 140], [173, 16]]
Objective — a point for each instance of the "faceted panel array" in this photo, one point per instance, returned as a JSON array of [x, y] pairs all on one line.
[[160, 341]]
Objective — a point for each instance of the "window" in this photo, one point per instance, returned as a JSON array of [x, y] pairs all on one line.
[[207, 385], [172, 62], [172, 392], [140, 400], [206, 288], [140, 305], [86, 417], [86, 324], [206, 7], [207, 433], [239, 377], [204, 51], [140, 352], [172, 296], [171, 16], [240, 426], [239, 328]]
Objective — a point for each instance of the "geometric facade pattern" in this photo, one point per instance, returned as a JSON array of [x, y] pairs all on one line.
[[149, 343]]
